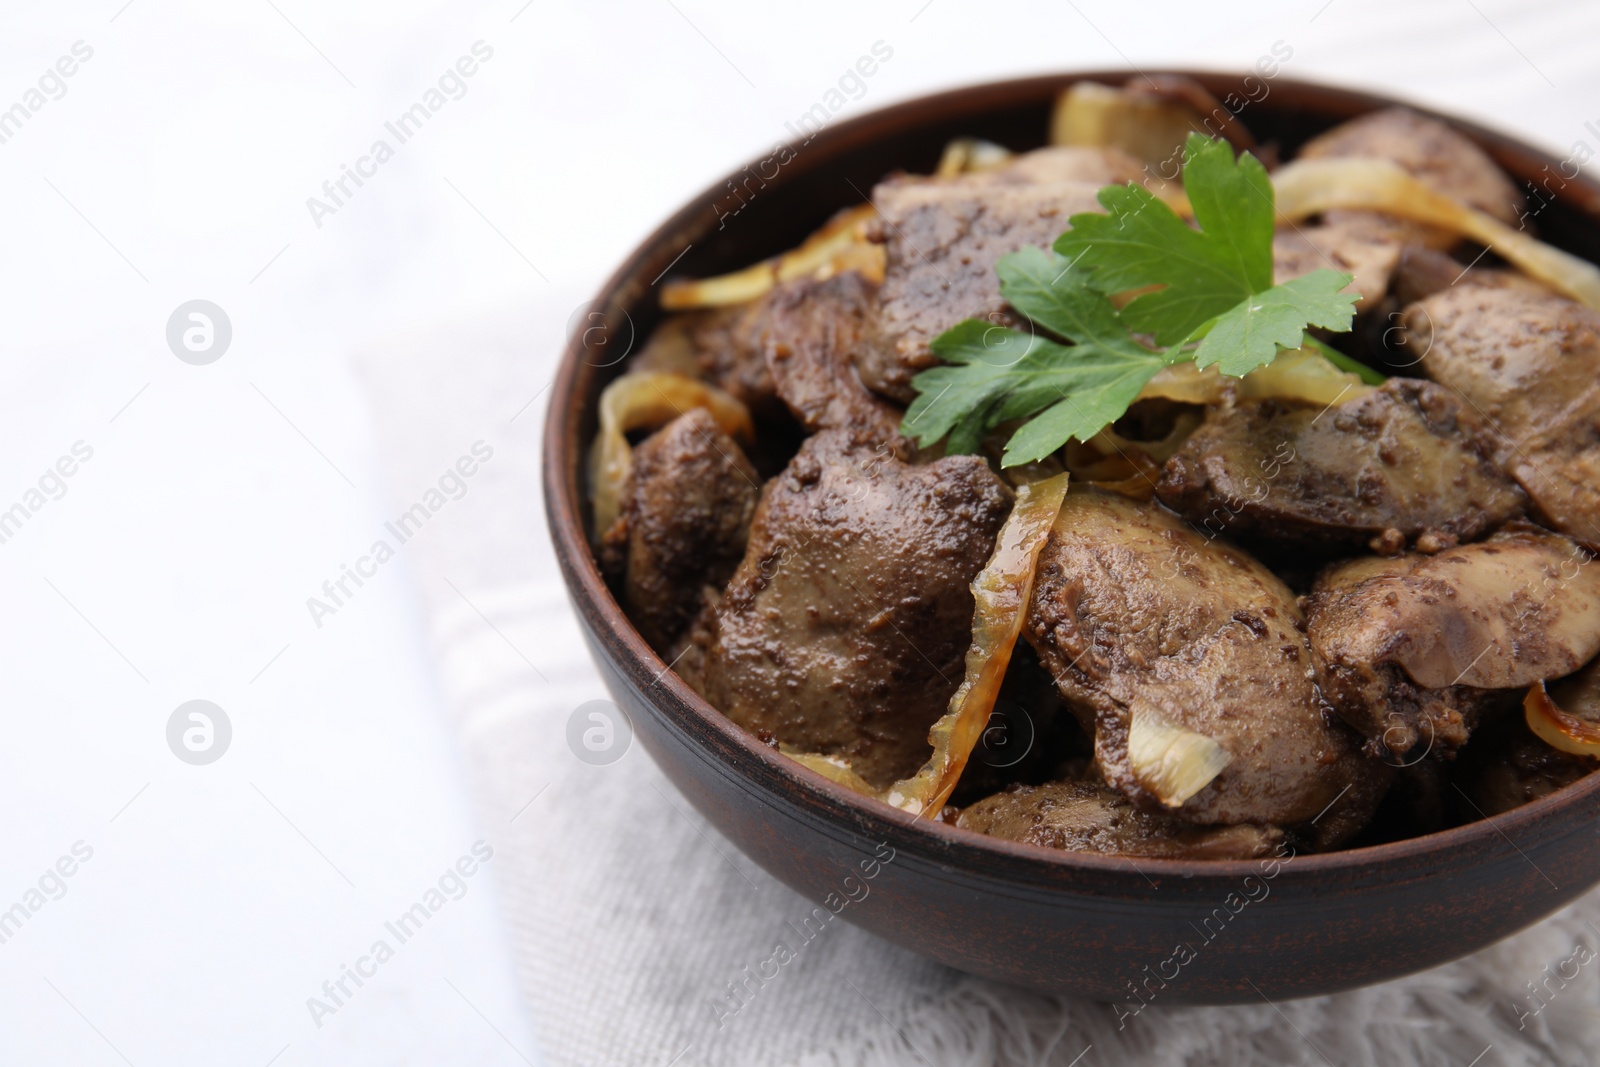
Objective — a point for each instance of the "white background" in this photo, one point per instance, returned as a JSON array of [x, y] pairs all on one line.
[[177, 565]]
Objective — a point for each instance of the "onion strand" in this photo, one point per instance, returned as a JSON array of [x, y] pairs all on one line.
[[1001, 591], [1312, 186], [644, 401], [1558, 728]]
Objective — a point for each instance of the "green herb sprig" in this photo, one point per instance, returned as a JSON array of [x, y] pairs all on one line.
[[1204, 295]]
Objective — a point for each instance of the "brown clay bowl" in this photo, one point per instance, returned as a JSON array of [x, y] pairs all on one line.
[[1085, 925]]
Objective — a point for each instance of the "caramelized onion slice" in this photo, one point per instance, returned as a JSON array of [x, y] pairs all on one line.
[[1311, 186], [1001, 590], [841, 241], [1187, 384], [1150, 118], [644, 401], [1172, 763], [1130, 468], [1298, 374], [1558, 728], [970, 155], [833, 768], [1303, 374], [1110, 462]]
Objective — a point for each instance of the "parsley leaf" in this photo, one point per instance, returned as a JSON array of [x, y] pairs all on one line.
[[1212, 286], [1249, 335], [1053, 293], [1141, 242], [1104, 385], [1000, 374], [957, 399]]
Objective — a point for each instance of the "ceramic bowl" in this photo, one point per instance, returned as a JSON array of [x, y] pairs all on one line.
[[1094, 926]]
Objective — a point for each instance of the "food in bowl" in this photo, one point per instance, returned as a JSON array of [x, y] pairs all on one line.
[[1130, 496]]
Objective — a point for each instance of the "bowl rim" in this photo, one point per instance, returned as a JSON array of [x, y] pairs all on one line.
[[851, 816]]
